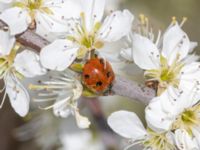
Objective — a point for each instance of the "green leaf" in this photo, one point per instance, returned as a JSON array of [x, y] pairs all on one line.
[[77, 67], [88, 93]]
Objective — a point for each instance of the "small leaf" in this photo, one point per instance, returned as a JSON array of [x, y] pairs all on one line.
[[88, 93], [77, 67]]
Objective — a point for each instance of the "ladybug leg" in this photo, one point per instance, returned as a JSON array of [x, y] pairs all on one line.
[[109, 90], [103, 62]]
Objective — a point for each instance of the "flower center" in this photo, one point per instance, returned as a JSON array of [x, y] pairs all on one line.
[[32, 6], [158, 141], [86, 39], [6, 62], [188, 119], [166, 75]]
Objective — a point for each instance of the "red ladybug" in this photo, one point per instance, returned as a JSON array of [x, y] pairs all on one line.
[[98, 75]]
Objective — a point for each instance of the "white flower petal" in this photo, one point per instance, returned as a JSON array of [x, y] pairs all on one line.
[[184, 141], [93, 10], [61, 109], [6, 1], [127, 54], [50, 23], [193, 45], [116, 26], [161, 111], [17, 19], [145, 53], [6, 43], [189, 76], [53, 26], [196, 133], [175, 42], [19, 98], [81, 121], [191, 58], [58, 55], [127, 124], [28, 64], [49, 26], [63, 9], [5, 4]]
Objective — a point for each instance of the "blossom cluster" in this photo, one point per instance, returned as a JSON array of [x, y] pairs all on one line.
[[171, 67], [77, 31]]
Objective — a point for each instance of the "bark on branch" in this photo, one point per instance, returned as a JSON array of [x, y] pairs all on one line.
[[121, 86]]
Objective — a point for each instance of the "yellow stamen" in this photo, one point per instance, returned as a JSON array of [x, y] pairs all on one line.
[[32, 6], [142, 18], [174, 20], [158, 141], [183, 21]]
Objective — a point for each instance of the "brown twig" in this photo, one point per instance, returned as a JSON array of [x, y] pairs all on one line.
[[121, 86], [133, 90], [107, 135]]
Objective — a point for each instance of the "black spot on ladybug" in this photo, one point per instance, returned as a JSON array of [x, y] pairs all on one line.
[[99, 83], [108, 74], [87, 76], [101, 61]]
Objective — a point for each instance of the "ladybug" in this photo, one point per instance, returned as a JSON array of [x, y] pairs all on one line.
[[98, 75]]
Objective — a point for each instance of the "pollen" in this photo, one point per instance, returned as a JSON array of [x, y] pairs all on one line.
[[32, 6], [183, 21], [142, 18], [188, 119], [82, 36], [6, 62], [158, 141], [174, 21]]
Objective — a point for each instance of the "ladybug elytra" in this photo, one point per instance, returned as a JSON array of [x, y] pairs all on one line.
[[98, 75]]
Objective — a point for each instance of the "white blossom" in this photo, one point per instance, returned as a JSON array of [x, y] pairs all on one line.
[[172, 112], [47, 16], [65, 90], [184, 141], [166, 60], [128, 125], [87, 33], [15, 66]]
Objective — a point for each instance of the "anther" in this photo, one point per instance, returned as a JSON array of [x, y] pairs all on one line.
[[142, 19], [183, 21], [174, 20]]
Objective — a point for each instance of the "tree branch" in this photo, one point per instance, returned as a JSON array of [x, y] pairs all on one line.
[[133, 90], [121, 86]]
